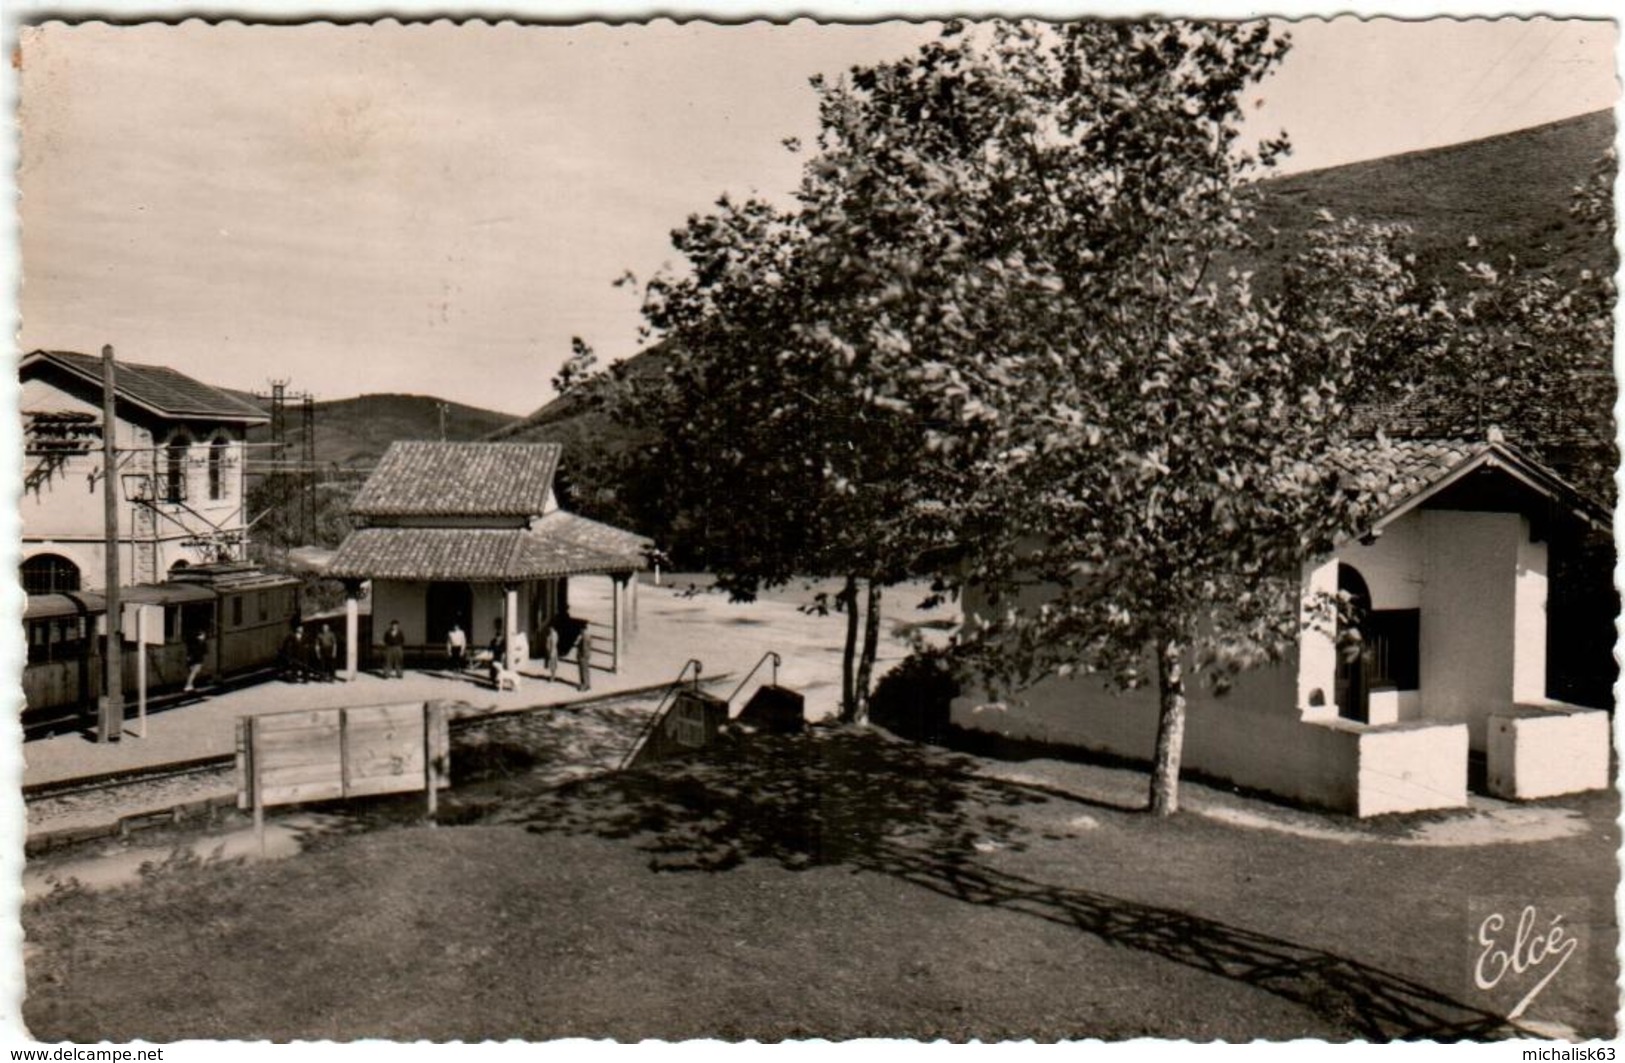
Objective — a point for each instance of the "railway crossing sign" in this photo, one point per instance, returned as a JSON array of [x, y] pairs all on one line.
[[333, 754]]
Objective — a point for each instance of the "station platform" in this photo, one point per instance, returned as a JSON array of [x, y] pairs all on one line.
[[728, 638]]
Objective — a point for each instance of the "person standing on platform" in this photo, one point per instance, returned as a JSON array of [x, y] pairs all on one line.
[[394, 650], [457, 647], [327, 654], [552, 647], [294, 663], [197, 651], [584, 658], [499, 652]]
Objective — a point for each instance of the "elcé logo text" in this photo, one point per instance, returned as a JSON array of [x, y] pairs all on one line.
[[1531, 946]]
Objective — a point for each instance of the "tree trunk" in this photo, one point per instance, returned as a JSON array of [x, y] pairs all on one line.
[[871, 640], [1170, 727], [849, 599]]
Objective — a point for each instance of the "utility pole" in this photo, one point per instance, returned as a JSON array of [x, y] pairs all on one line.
[[307, 467], [110, 722], [442, 407]]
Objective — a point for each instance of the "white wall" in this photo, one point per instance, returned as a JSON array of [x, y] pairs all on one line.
[[1545, 751], [1529, 622], [1468, 610], [1394, 566]]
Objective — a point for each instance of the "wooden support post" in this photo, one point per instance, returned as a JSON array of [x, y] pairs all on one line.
[[344, 753], [352, 628], [510, 623], [255, 783], [430, 718], [617, 588]]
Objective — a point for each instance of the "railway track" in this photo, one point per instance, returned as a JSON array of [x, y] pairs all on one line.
[[147, 785], [115, 780]]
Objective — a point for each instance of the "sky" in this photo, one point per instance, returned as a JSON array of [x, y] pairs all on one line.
[[437, 209]]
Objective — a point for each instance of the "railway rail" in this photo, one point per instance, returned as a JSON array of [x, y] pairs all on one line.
[[71, 810]]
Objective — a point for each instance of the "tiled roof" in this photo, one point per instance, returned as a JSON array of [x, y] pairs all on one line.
[[603, 539], [1390, 473], [160, 388], [421, 479], [561, 544], [475, 554]]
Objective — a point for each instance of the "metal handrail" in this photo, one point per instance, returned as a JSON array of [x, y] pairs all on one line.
[[754, 669], [654, 717]]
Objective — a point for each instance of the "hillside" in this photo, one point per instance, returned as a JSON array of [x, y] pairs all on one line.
[[1511, 192], [357, 431]]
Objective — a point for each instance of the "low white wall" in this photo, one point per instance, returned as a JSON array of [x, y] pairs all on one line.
[[1544, 750], [1253, 736], [1408, 767]]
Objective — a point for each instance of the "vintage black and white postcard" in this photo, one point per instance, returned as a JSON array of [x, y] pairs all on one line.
[[1097, 527]]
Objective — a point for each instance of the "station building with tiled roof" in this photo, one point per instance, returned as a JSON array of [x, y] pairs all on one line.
[[472, 534]]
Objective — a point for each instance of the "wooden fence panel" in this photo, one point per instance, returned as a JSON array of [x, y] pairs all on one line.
[[320, 755]]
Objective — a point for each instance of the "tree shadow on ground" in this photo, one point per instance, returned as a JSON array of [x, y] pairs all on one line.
[[922, 815]]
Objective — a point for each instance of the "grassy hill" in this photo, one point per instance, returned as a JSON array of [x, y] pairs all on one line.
[[1511, 192], [357, 431]]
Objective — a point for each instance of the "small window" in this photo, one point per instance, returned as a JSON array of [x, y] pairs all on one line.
[[1393, 648], [174, 485], [217, 469], [237, 611], [39, 642], [265, 604]]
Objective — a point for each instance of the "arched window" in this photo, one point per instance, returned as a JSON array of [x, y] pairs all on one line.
[[50, 574], [217, 469], [175, 467]]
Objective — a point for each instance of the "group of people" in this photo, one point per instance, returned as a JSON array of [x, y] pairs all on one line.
[[310, 658], [499, 656]]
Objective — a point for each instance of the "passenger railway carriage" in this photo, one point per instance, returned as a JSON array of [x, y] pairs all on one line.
[[244, 611]]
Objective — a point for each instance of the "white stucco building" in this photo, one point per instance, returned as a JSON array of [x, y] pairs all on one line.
[[180, 485], [1451, 580]]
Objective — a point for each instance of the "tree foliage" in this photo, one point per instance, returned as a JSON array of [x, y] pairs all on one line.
[[1006, 338]]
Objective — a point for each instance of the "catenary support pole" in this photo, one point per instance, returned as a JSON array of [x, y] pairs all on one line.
[[110, 721]]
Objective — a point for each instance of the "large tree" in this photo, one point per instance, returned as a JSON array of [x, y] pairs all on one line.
[[1006, 337], [1053, 219]]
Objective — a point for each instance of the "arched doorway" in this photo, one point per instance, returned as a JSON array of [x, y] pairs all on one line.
[[443, 604], [1353, 687], [50, 574]]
